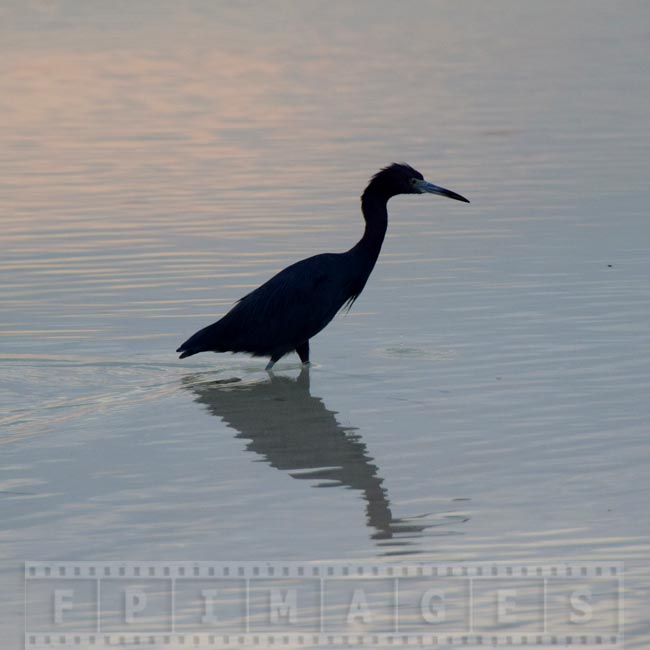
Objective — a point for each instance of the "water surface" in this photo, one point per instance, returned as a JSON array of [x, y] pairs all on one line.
[[487, 397]]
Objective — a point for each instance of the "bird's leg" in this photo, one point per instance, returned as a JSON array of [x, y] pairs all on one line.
[[303, 353], [271, 363]]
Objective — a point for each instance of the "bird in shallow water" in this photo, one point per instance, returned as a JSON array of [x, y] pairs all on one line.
[[294, 305]]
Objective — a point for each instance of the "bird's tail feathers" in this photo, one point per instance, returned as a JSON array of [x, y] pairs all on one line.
[[186, 352], [209, 339]]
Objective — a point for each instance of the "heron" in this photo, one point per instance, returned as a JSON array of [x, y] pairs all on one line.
[[284, 313]]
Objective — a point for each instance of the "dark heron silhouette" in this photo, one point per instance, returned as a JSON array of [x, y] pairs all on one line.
[[293, 306]]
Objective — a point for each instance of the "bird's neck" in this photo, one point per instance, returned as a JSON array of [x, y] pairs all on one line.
[[375, 214]]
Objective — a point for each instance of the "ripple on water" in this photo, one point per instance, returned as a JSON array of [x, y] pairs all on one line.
[[72, 387], [422, 352]]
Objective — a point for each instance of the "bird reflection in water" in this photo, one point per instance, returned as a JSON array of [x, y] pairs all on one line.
[[295, 432]]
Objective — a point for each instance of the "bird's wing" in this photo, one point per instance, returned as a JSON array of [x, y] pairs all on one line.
[[296, 303]]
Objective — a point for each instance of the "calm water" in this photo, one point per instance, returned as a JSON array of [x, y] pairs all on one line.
[[487, 397]]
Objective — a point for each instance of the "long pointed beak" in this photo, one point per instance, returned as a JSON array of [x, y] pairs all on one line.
[[430, 188]]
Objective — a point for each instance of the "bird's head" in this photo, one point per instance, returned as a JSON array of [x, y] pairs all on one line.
[[400, 178]]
